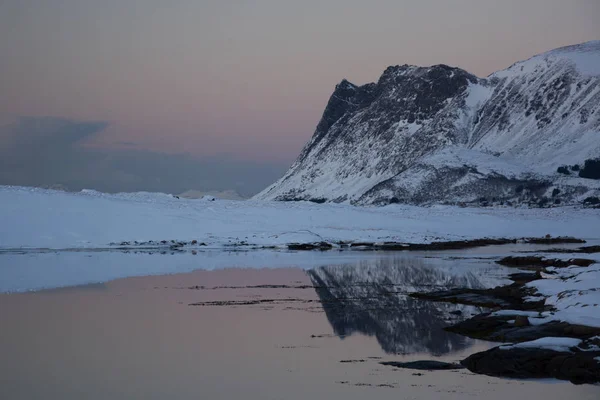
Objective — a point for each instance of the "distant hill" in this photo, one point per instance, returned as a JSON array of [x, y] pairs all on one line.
[[225, 194]]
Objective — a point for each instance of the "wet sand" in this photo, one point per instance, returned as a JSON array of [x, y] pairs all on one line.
[[139, 338]]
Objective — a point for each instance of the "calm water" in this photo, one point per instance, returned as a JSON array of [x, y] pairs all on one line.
[[254, 333]]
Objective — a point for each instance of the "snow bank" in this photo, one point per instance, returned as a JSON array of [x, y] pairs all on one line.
[[38, 218], [549, 343], [574, 293]]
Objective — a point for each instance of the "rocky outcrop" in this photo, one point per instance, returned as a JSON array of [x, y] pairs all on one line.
[[573, 365]]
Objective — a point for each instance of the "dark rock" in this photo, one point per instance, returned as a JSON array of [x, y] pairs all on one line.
[[582, 250], [538, 263], [524, 277], [591, 169], [459, 244], [521, 320], [556, 240], [534, 363], [498, 329], [318, 201], [425, 365], [310, 246], [362, 244]]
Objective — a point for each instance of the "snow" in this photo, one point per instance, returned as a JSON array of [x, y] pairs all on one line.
[[549, 343], [478, 94], [514, 313], [456, 157], [575, 294], [38, 218], [584, 57], [592, 347]]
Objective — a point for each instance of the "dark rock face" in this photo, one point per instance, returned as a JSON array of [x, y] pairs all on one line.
[[578, 367], [591, 169], [538, 263], [439, 134]]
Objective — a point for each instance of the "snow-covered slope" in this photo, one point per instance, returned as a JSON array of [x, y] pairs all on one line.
[[439, 134], [38, 218]]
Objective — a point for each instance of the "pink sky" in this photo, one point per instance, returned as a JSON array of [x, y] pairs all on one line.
[[248, 78]]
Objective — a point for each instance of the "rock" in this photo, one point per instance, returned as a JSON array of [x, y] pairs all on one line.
[[498, 329], [521, 321], [310, 246], [522, 278], [426, 365], [579, 367], [550, 240], [537, 263], [583, 250]]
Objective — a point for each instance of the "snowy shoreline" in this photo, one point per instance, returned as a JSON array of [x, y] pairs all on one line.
[[47, 219]]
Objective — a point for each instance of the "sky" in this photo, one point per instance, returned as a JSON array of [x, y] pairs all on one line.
[[217, 83]]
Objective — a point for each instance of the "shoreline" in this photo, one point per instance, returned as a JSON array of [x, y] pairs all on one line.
[[167, 246], [544, 345]]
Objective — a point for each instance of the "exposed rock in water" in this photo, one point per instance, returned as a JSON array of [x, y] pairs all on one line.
[[425, 365], [310, 246], [500, 329], [581, 250], [579, 367], [433, 246], [555, 240], [537, 263]]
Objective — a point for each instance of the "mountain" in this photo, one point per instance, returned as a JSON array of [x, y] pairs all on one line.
[[420, 135]]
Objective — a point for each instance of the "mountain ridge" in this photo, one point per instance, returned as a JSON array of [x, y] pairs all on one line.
[[424, 135]]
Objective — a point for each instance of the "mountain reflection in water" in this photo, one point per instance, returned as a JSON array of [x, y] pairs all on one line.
[[370, 298]]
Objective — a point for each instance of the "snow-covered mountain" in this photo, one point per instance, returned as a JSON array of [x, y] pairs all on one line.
[[442, 135]]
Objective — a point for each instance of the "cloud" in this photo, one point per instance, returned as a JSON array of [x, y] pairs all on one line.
[[47, 151]]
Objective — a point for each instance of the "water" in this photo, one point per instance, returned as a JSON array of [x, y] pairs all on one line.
[[256, 333]]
